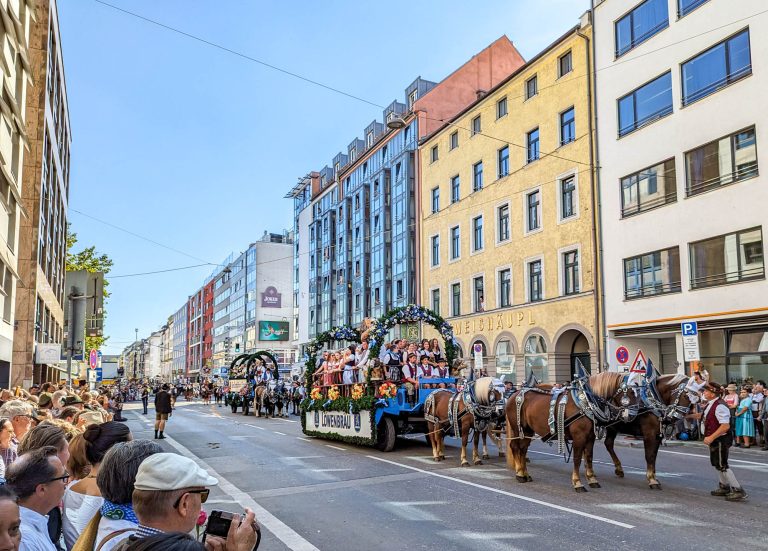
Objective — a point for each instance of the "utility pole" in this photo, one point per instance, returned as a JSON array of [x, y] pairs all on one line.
[[135, 352]]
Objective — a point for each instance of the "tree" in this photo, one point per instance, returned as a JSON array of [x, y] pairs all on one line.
[[90, 260]]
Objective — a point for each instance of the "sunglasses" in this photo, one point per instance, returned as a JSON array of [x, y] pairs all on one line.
[[64, 478], [203, 496]]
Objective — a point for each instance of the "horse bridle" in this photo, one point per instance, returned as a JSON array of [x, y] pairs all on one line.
[[675, 411]]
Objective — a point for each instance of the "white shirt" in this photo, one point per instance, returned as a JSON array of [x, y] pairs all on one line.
[[78, 510], [757, 397], [34, 531], [108, 526], [722, 413]]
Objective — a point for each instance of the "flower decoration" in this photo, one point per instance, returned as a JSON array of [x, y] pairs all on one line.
[[357, 391], [333, 393], [388, 390], [316, 393], [200, 522]]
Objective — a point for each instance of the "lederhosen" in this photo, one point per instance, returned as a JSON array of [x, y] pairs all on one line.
[[718, 449], [393, 366]]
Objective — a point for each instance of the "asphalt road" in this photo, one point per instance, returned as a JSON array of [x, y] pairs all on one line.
[[315, 494]]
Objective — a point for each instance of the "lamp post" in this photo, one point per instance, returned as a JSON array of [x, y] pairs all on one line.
[[135, 352]]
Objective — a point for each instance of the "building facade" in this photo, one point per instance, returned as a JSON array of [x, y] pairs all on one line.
[[166, 351], [507, 226], [179, 355], [355, 221], [17, 35], [683, 217], [154, 348]]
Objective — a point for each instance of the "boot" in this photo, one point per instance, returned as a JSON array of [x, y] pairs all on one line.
[[721, 491], [155, 434], [736, 494], [161, 437]]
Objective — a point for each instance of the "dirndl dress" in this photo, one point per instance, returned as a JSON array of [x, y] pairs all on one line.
[[745, 423]]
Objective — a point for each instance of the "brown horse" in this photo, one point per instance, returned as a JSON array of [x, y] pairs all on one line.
[[436, 413], [649, 426]]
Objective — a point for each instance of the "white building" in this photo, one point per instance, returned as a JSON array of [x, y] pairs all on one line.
[[179, 343], [154, 357], [681, 123]]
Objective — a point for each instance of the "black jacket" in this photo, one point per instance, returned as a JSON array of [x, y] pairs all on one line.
[[163, 402]]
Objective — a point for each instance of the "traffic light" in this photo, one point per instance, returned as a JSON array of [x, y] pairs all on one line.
[[237, 347]]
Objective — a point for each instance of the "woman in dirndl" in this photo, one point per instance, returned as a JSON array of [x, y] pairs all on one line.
[[745, 423]]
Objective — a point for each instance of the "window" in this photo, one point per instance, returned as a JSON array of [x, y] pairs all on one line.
[[477, 176], [435, 250], [652, 274], [505, 288], [435, 200], [501, 107], [435, 306], [567, 126], [456, 299], [479, 296], [650, 102], [412, 98], [727, 259], [377, 296], [477, 233], [533, 209], [357, 302], [684, 7], [454, 140], [567, 197], [455, 189], [640, 24], [455, 243], [503, 212], [571, 273], [504, 357], [722, 162], [535, 290], [434, 154], [369, 142], [531, 87], [564, 64], [476, 127], [535, 354], [649, 188], [399, 288], [504, 161], [716, 68], [532, 139]]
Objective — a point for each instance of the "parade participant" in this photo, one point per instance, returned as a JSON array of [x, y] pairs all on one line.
[[425, 370], [437, 352], [349, 375], [745, 424], [394, 361], [361, 359], [509, 388], [162, 410], [716, 422], [410, 377], [145, 398]]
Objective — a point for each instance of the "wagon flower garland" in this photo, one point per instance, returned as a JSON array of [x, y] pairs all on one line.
[[357, 391], [388, 390], [333, 393], [316, 393]]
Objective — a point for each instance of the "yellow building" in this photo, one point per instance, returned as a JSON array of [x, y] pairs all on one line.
[[507, 233]]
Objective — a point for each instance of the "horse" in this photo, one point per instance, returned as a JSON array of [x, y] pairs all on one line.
[[266, 397], [279, 397], [530, 410], [676, 400], [445, 410], [294, 398]]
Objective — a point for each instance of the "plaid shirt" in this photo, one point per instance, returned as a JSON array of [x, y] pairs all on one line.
[[146, 531]]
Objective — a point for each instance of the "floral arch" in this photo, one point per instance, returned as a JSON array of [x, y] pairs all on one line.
[[410, 314], [342, 333]]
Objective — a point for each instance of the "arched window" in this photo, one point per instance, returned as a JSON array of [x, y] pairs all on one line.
[[536, 358], [504, 357]]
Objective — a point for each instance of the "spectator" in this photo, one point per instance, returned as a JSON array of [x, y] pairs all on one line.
[[38, 478], [83, 498], [162, 410], [10, 532], [68, 414], [170, 491], [758, 397], [77, 465], [45, 401], [172, 541], [20, 415], [87, 417], [8, 448], [57, 401], [74, 401]]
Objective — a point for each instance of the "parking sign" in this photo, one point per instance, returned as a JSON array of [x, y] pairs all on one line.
[[690, 330]]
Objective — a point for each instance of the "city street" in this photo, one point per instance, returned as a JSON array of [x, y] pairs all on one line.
[[316, 494]]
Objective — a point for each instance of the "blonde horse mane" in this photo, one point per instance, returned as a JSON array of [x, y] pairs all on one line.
[[605, 384]]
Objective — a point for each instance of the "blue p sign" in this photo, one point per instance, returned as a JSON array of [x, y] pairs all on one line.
[[690, 329]]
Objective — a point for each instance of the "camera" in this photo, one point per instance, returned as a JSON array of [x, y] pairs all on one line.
[[219, 523]]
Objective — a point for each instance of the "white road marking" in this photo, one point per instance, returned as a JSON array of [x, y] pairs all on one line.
[[287, 421], [337, 448], [627, 470], [479, 540], [503, 492], [730, 459], [657, 513], [280, 433], [282, 531], [329, 470], [260, 428], [412, 510], [305, 439]]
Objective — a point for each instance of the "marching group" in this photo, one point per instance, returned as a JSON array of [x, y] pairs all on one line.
[[74, 478]]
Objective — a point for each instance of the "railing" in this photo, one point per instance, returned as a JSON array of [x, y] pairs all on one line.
[[640, 123], [642, 206], [712, 280], [742, 173], [717, 85], [653, 289], [643, 37]]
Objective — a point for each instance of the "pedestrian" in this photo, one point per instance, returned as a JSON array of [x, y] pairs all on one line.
[[731, 400], [145, 398], [716, 424], [162, 410], [10, 521], [763, 417], [745, 424], [758, 398]]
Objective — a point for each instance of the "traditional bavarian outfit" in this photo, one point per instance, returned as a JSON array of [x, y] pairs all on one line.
[[410, 374], [715, 415], [393, 361]]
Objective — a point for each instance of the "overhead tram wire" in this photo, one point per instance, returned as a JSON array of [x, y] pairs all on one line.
[[159, 271]]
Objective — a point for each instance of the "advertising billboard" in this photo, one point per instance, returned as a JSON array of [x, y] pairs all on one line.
[[273, 331]]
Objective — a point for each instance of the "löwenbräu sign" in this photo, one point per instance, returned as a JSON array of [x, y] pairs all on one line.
[[341, 423]]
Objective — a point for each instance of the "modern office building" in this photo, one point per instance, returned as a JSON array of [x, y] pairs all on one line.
[[166, 348], [179, 354], [680, 89], [355, 221], [506, 208], [16, 31]]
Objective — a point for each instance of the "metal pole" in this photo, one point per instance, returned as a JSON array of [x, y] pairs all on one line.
[[70, 343]]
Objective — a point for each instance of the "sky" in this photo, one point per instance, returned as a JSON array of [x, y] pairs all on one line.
[[194, 148]]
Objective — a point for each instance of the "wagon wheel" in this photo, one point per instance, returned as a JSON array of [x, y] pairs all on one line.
[[385, 434]]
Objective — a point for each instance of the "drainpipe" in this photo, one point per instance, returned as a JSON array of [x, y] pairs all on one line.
[[594, 157]]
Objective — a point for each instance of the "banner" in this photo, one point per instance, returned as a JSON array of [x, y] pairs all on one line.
[[236, 384], [342, 423], [273, 331]]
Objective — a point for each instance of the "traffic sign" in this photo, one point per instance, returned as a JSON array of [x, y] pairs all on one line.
[[622, 355], [640, 365], [690, 330], [93, 358]]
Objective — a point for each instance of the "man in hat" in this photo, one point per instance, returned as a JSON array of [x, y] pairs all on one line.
[[716, 424], [74, 401]]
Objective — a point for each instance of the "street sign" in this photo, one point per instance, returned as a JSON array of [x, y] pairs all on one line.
[[690, 330], [622, 355], [640, 364], [93, 358], [478, 350]]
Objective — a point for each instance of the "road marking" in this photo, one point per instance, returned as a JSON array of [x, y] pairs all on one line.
[[504, 492], [329, 470], [412, 510], [282, 531], [280, 433], [337, 448], [287, 421], [628, 470], [657, 513], [260, 428], [730, 459], [305, 439]]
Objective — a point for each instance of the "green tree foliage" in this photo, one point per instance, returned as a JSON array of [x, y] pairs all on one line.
[[90, 260]]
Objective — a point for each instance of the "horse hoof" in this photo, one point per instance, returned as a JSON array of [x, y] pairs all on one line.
[[502, 454], [528, 478], [437, 459], [580, 489], [442, 458], [620, 474], [465, 464], [486, 456], [527, 459], [594, 485], [656, 486], [521, 479], [478, 462]]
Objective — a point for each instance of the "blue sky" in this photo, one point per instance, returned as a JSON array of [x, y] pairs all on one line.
[[195, 148]]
